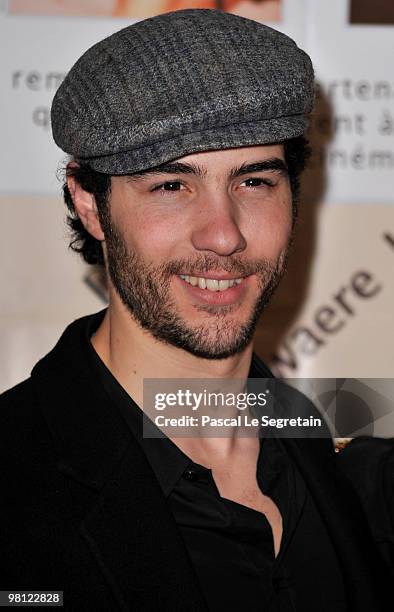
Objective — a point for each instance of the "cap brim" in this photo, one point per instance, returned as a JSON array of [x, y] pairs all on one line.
[[227, 137]]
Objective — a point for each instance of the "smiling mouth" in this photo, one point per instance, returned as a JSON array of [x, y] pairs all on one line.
[[211, 284]]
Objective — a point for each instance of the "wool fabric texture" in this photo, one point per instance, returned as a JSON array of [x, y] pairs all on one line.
[[178, 83]]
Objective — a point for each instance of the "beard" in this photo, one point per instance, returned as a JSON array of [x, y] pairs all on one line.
[[144, 289]]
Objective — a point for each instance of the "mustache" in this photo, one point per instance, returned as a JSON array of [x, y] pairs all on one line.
[[207, 263]]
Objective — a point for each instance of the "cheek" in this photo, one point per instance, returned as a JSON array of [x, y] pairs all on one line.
[[147, 230], [152, 236], [272, 230]]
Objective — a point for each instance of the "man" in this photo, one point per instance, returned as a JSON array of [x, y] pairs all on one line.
[[186, 136]]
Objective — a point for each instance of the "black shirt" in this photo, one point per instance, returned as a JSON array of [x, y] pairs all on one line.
[[230, 545]]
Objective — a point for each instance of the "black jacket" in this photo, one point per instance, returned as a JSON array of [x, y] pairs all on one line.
[[82, 511], [369, 465]]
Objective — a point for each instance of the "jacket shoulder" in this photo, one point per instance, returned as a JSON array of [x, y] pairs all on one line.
[[23, 428], [18, 391], [365, 461], [368, 464], [18, 398]]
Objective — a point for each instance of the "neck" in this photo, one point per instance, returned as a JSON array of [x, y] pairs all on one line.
[[132, 354]]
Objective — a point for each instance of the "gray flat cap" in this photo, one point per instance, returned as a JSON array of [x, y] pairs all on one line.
[[178, 83]]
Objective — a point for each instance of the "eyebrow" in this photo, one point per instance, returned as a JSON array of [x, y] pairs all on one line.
[[170, 168], [274, 164]]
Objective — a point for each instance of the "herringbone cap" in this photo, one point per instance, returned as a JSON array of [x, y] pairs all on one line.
[[192, 80]]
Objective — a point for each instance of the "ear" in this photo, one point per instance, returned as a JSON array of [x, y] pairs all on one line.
[[86, 208]]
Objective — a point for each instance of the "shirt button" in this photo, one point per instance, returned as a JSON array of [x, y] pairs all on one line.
[[190, 475]]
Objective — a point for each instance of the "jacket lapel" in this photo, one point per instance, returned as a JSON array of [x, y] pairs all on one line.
[[128, 526], [134, 538]]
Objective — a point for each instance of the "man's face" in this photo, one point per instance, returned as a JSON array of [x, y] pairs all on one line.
[[210, 216]]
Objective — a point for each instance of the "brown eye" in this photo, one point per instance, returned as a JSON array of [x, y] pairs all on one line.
[[169, 186], [257, 182]]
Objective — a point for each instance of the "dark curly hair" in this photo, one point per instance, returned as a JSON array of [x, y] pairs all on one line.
[[297, 152]]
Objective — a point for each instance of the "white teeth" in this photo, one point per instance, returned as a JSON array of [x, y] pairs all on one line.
[[225, 284], [210, 283]]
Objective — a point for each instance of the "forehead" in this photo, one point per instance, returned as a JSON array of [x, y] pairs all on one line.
[[225, 158]]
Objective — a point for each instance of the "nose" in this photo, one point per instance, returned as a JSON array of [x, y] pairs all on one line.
[[216, 227]]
